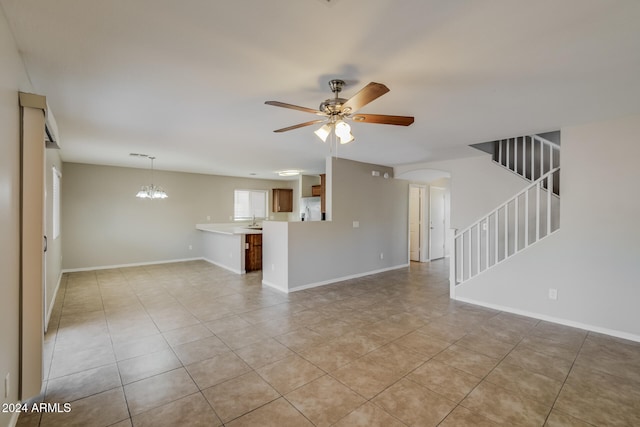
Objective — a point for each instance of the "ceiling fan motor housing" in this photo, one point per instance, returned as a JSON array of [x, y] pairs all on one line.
[[332, 106]]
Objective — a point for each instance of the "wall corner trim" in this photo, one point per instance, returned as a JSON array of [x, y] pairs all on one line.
[[32, 100]]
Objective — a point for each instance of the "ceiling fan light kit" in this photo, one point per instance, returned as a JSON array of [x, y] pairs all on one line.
[[323, 132], [337, 110], [343, 131]]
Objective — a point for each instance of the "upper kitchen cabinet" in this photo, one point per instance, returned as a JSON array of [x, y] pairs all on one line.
[[282, 200]]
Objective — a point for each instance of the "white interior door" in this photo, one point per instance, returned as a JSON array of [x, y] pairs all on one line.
[[436, 224], [415, 223]]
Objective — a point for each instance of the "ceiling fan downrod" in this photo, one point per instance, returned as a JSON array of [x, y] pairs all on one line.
[[333, 107]]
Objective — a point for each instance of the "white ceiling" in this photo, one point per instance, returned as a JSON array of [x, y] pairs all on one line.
[[186, 80]]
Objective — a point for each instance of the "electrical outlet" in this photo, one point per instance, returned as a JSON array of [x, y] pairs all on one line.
[[553, 294], [7, 389], [190, 247], [273, 267], [208, 217], [356, 224], [381, 255]]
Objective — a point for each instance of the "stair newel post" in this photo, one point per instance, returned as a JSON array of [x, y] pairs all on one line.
[[453, 261], [549, 194]]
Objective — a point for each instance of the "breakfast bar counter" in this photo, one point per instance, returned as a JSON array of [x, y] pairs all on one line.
[[230, 245]]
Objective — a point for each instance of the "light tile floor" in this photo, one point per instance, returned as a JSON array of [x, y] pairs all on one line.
[[191, 344]]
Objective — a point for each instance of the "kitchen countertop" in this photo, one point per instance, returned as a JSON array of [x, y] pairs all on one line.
[[229, 229]]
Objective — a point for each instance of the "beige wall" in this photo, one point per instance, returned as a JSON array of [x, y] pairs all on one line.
[[104, 224], [12, 79], [319, 252]]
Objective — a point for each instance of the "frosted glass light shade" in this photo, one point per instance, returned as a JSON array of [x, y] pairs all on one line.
[[323, 132], [343, 131]]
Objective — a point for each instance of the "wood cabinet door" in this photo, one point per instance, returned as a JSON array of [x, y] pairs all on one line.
[[282, 200], [253, 253]]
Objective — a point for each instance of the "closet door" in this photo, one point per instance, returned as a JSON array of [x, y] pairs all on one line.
[[33, 243]]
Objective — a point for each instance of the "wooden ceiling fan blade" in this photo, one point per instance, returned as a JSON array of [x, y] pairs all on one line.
[[300, 125], [294, 107], [383, 119], [367, 94]]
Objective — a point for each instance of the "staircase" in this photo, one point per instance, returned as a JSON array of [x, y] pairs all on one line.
[[523, 220]]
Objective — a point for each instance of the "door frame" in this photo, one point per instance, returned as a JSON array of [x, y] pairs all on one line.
[[32, 243]]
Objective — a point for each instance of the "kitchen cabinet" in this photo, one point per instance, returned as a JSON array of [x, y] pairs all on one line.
[[253, 252], [282, 200]]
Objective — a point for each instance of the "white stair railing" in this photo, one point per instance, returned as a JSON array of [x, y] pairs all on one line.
[[526, 218], [529, 156]]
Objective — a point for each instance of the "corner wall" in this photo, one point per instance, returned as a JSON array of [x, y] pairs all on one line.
[[592, 260], [321, 252]]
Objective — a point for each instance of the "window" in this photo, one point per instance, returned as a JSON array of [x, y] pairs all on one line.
[[248, 204], [56, 203]]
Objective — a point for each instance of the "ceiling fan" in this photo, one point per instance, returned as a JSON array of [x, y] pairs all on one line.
[[337, 110]]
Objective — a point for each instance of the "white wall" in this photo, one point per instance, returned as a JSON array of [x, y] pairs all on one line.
[[593, 260], [326, 251], [477, 186], [12, 79], [275, 255], [224, 250], [105, 224]]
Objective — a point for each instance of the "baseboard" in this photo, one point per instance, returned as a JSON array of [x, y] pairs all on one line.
[[135, 264], [53, 302], [14, 418], [274, 287], [343, 278], [226, 267], [560, 321]]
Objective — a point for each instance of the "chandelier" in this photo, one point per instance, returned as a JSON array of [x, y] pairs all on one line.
[[151, 191]]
